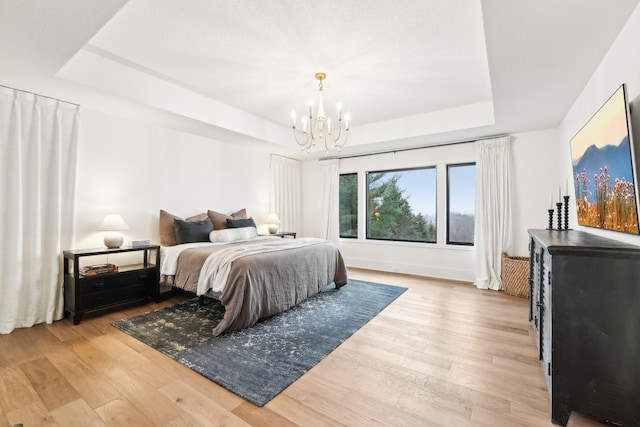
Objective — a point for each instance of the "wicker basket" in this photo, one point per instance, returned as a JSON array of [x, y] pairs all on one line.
[[515, 275]]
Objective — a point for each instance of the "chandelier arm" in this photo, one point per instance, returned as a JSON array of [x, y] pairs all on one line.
[[305, 142], [343, 143], [312, 126], [337, 138]]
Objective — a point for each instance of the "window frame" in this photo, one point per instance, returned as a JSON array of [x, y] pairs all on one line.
[[448, 239], [367, 216], [357, 207]]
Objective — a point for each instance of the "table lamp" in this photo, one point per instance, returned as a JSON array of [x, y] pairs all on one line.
[[273, 222], [112, 224]]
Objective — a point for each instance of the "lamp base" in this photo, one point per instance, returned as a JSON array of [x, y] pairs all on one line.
[[273, 228], [113, 240]]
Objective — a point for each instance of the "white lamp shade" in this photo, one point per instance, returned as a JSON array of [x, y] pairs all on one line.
[[273, 222], [273, 218], [113, 222]]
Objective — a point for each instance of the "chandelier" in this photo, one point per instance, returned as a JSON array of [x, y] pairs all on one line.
[[320, 128]]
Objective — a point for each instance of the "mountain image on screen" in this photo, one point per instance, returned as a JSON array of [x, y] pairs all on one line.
[[616, 158], [605, 190]]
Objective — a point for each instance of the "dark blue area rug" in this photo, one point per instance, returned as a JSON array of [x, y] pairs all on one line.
[[259, 362]]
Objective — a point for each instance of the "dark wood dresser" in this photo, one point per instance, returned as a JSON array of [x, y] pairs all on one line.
[[129, 283], [585, 311]]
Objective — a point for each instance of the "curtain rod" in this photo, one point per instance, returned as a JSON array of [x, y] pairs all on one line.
[[442, 144], [44, 96], [285, 157]]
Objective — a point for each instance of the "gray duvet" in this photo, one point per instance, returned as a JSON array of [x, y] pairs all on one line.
[[265, 284]]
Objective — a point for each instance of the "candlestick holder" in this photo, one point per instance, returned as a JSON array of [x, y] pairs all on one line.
[[566, 212], [550, 219], [559, 209]]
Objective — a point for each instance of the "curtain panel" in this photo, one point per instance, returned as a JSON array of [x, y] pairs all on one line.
[[38, 144], [330, 199], [493, 210], [285, 192]]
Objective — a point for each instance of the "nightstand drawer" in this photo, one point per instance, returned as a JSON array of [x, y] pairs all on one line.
[[113, 296], [111, 282]]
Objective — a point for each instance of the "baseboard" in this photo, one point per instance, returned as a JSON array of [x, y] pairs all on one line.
[[458, 274]]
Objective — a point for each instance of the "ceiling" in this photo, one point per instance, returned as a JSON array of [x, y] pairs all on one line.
[[409, 72]]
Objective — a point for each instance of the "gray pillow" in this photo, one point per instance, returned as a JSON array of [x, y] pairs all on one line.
[[189, 232], [238, 223]]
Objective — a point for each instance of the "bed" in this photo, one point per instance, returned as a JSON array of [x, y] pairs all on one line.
[[253, 276]]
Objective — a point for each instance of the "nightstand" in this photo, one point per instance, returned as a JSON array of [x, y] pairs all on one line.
[[129, 283], [282, 234]]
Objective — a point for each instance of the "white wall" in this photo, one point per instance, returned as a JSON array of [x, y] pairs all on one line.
[[538, 170], [620, 65], [136, 169]]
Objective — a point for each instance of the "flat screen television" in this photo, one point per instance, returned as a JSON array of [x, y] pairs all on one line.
[[604, 173]]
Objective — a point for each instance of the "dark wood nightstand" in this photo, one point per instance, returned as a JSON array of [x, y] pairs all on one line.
[[282, 234], [129, 283]]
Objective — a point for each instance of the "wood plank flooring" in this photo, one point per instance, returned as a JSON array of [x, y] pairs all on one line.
[[443, 354]]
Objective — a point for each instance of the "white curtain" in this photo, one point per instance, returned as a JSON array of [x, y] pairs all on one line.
[[38, 141], [285, 192], [493, 209], [329, 199]]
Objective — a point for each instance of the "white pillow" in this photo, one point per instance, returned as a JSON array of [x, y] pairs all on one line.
[[233, 234]]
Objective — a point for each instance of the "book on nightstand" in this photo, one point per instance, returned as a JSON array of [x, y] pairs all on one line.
[[139, 243], [94, 270]]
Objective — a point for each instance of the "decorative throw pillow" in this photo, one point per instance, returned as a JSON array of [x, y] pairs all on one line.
[[189, 232], [233, 234], [168, 231], [219, 220], [238, 223]]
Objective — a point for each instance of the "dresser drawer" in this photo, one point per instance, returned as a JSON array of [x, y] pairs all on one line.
[[114, 296], [112, 282]]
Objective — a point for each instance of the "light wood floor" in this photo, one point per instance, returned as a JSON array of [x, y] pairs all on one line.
[[443, 354]]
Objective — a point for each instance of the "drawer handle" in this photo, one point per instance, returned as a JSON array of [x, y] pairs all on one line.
[[98, 285], [142, 277]]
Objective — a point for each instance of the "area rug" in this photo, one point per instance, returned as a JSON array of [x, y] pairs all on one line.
[[259, 362]]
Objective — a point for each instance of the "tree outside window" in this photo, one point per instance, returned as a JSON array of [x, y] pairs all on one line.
[[348, 205], [401, 205], [461, 197]]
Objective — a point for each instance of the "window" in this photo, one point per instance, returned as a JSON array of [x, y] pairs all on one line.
[[401, 205], [461, 200], [348, 209]]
